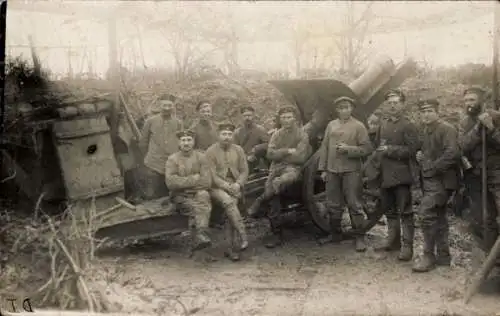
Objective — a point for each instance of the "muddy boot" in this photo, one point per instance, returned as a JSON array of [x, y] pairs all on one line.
[[359, 241], [427, 261], [408, 225], [201, 240], [393, 239], [237, 223], [335, 235], [443, 257]]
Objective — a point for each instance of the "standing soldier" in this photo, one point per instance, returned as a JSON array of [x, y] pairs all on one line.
[[229, 174], [250, 134], [438, 159], [288, 150], [157, 142], [344, 146], [187, 175], [204, 128], [471, 145], [397, 147]]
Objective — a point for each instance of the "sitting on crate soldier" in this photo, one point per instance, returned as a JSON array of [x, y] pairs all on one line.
[[288, 150], [188, 177], [157, 143], [229, 168]]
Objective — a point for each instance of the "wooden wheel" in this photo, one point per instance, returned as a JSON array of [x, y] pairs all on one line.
[[314, 199]]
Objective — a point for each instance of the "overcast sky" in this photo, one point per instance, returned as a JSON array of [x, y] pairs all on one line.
[[465, 34]]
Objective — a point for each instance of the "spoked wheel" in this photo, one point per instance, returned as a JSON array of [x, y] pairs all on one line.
[[315, 198]]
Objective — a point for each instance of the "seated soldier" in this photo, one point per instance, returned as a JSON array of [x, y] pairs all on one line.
[[229, 174], [187, 175], [288, 150]]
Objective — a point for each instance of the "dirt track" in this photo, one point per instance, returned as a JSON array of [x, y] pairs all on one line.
[[301, 278]]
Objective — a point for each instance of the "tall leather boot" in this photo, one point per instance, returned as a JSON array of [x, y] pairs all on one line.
[[408, 230], [200, 237], [359, 241], [276, 237], [234, 216], [427, 261], [254, 211], [335, 234], [393, 239], [443, 256]]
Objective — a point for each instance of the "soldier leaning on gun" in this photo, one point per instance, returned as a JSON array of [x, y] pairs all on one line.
[[188, 177], [438, 158], [229, 174], [342, 150], [288, 150], [397, 145], [471, 145], [158, 141]]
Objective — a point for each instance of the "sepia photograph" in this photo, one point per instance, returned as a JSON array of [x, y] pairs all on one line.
[[261, 158]]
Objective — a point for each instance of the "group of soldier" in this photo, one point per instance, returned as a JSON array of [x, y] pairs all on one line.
[[209, 163]]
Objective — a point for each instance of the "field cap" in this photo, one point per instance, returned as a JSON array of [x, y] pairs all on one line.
[[428, 103], [184, 133]]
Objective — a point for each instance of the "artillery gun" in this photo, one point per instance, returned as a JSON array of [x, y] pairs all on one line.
[[73, 156]]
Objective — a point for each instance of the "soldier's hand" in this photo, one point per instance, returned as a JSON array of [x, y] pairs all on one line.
[[382, 148], [196, 177], [419, 156], [251, 158], [236, 187], [342, 147], [323, 176], [486, 120], [292, 151]]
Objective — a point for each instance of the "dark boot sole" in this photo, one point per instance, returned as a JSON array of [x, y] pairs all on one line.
[[201, 246]]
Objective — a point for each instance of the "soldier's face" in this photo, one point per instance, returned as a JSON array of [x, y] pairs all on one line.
[[472, 104], [344, 110], [248, 116], [186, 143], [226, 137], [373, 122], [167, 107], [394, 105], [428, 115], [206, 112], [287, 119]]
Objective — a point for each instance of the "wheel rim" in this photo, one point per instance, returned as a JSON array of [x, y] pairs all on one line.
[[315, 199]]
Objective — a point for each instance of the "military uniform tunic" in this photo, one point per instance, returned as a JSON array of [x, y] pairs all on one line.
[[188, 177]]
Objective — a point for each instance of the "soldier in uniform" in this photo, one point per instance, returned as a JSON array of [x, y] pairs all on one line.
[[438, 159], [471, 144], [397, 146], [229, 174], [188, 177], [158, 142], [250, 134], [288, 150], [344, 146], [204, 128]]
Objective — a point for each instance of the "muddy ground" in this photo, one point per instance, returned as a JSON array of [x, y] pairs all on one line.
[[301, 278]]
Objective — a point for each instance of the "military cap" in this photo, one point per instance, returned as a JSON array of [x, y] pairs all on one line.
[[395, 92], [226, 126], [344, 98], [247, 108], [167, 97], [428, 103], [198, 106], [287, 109], [184, 133], [476, 90]]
